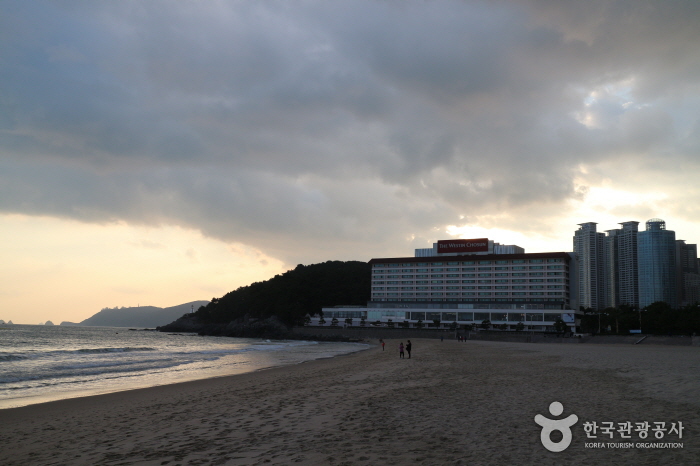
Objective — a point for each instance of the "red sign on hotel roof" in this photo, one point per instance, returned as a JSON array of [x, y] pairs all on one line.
[[463, 245]]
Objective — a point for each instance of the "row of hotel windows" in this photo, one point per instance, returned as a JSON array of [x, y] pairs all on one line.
[[481, 282], [464, 316], [470, 275], [485, 262], [489, 280], [445, 316], [472, 293], [470, 269], [481, 287]]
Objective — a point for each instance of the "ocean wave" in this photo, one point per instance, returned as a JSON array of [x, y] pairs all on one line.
[[12, 357], [126, 349], [112, 363], [34, 354]]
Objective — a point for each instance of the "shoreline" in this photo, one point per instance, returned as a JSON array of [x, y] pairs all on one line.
[[452, 403], [6, 404]]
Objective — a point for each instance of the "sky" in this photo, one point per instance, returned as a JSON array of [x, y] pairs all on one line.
[[161, 152]]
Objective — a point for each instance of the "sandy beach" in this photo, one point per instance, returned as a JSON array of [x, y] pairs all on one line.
[[452, 403]]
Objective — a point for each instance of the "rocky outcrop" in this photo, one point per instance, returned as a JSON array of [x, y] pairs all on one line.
[[245, 327], [270, 328]]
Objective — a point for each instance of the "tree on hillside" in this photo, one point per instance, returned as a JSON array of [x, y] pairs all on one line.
[[293, 294]]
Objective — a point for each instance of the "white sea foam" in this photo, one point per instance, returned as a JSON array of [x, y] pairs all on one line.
[[41, 363]]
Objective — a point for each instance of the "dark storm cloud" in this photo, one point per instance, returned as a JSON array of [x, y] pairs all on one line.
[[303, 126]]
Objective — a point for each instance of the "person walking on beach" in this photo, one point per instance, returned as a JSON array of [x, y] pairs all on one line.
[[382, 342], [401, 350], [408, 348]]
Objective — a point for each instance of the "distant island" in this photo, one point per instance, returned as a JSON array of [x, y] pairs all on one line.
[[269, 308], [140, 316]]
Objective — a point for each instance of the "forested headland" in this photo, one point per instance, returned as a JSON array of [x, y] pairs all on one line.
[[268, 308]]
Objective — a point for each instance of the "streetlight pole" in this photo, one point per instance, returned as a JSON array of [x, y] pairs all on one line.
[[640, 320]]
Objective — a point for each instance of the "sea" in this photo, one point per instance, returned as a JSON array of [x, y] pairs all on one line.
[[41, 363]]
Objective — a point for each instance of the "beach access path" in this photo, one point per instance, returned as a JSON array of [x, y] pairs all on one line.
[[452, 403]]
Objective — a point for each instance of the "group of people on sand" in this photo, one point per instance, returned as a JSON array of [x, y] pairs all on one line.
[[402, 348]]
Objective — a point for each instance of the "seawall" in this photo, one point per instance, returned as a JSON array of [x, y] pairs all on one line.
[[375, 333]]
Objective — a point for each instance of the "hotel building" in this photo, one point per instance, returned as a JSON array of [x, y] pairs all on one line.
[[466, 282], [687, 273], [621, 266], [589, 245], [657, 264], [636, 268]]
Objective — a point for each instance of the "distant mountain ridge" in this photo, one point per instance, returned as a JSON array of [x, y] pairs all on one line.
[[141, 316]]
